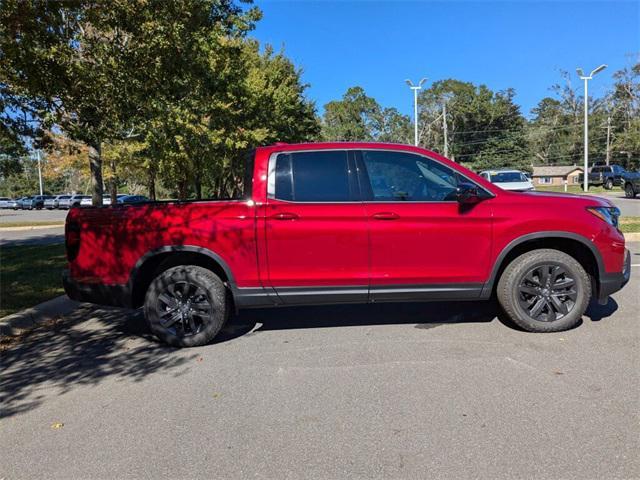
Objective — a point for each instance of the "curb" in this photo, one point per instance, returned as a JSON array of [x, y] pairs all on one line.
[[632, 237], [30, 227], [16, 323]]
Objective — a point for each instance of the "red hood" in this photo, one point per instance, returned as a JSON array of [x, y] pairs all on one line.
[[587, 200]]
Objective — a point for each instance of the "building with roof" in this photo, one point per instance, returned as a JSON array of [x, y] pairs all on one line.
[[556, 175]]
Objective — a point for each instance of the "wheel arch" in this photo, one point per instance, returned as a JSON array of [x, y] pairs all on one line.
[[577, 246], [156, 261]]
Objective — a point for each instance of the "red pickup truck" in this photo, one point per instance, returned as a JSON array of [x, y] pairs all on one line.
[[348, 223]]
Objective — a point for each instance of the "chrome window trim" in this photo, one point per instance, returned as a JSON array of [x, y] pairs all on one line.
[[271, 176]]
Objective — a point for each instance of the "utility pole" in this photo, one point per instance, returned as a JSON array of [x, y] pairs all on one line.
[[608, 139], [586, 120], [39, 171], [415, 89], [445, 99]]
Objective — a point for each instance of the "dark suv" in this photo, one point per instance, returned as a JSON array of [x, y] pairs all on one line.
[[607, 175]]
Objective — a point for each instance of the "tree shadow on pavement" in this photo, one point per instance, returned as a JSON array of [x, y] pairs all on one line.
[[76, 351]]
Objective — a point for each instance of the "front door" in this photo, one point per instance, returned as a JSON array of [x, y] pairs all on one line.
[[316, 230], [424, 244]]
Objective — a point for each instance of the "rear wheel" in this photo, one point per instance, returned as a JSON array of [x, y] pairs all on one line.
[[629, 192], [608, 184], [186, 306], [544, 291]]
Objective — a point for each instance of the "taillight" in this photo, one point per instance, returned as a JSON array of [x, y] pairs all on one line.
[[72, 239]]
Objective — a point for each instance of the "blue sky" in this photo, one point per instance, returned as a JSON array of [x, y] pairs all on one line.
[[519, 44]]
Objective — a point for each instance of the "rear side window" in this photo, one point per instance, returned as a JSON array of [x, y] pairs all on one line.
[[312, 177]]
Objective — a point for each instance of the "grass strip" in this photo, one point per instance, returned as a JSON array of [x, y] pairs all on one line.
[[29, 275]]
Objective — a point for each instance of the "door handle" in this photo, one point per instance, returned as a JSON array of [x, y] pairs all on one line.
[[284, 216], [385, 216]]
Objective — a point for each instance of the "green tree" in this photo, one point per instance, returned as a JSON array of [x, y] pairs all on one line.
[[99, 70], [198, 138], [358, 117], [485, 129], [625, 116]]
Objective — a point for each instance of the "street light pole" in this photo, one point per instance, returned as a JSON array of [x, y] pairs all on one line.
[[39, 171], [586, 79], [415, 89]]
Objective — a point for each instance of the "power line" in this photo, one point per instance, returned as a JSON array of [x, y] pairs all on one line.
[[523, 129], [514, 150]]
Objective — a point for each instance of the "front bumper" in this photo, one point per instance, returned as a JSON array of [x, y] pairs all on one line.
[[612, 282], [112, 295]]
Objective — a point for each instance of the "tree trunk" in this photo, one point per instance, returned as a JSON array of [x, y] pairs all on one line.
[[182, 189], [197, 185], [152, 183], [113, 185], [95, 165]]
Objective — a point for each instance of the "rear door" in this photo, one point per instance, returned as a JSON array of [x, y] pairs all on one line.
[[423, 243], [316, 230]]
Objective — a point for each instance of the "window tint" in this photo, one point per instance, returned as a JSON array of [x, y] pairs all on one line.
[[312, 177], [397, 176], [506, 177]]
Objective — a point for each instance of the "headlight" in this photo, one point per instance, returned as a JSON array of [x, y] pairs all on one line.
[[608, 214]]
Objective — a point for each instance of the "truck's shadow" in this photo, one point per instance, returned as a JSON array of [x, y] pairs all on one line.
[[422, 315], [94, 344]]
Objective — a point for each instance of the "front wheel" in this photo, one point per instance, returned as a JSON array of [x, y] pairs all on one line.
[[544, 291], [186, 306], [629, 192], [608, 185]]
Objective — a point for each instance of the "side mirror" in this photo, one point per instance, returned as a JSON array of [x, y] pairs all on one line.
[[468, 194]]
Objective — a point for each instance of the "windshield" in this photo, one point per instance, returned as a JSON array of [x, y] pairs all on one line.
[[508, 177]]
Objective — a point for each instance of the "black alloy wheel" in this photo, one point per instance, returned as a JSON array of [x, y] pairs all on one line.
[[547, 293], [183, 308]]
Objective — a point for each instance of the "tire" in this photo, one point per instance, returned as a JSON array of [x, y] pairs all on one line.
[[629, 192], [608, 185], [528, 269], [186, 327]]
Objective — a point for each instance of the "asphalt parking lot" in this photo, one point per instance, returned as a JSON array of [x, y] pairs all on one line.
[[10, 216], [380, 391]]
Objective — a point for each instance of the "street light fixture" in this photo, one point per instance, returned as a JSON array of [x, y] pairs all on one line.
[[415, 89], [586, 119]]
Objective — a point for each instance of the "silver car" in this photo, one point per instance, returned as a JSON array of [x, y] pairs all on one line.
[[72, 201], [52, 202], [4, 202]]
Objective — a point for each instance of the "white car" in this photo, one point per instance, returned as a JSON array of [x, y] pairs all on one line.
[[106, 200], [4, 202], [514, 180]]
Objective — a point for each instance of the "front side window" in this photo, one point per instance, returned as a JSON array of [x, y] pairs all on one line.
[[400, 176], [321, 176]]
